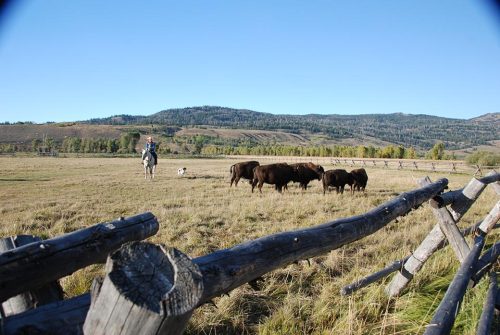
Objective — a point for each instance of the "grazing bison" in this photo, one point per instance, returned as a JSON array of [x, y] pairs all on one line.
[[279, 175], [337, 178], [242, 170], [360, 179], [305, 172]]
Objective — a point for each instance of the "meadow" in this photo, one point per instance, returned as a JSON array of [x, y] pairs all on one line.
[[199, 213]]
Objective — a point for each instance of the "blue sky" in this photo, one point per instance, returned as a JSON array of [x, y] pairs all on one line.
[[80, 59]]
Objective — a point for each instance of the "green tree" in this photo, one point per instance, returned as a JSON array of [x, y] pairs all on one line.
[[437, 151], [35, 143]]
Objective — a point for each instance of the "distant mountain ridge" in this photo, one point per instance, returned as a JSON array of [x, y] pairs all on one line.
[[420, 130]]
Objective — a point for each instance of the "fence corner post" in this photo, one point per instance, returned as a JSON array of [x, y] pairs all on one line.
[[147, 290]]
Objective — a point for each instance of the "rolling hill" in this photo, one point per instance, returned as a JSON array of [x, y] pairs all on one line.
[[420, 131], [241, 125]]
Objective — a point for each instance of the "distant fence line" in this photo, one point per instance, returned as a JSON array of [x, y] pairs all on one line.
[[446, 166], [384, 163]]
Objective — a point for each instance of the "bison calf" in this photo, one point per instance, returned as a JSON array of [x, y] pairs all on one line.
[[360, 179], [337, 178], [305, 172]]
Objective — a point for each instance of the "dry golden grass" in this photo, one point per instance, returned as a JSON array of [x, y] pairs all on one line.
[[199, 213]]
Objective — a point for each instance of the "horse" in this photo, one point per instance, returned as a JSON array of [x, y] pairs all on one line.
[[149, 164]]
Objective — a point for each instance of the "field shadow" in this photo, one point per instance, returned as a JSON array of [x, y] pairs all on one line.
[[24, 179], [203, 177]]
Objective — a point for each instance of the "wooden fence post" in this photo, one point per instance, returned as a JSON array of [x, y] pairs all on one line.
[[485, 263], [445, 315], [35, 297], [484, 324], [431, 242], [470, 193], [478, 170], [448, 226], [491, 219], [147, 290]]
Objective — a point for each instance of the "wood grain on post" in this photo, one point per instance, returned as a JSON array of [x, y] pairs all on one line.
[[448, 226], [484, 325], [42, 262], [491, 219], [445, 314], [147, 290], [435, 237], [470, 193], [36, 297]]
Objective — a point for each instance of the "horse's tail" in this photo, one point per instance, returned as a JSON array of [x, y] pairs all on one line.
[[231, 169]]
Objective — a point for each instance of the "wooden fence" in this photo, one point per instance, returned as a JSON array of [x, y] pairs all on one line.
[[150, 289], [383, 163]]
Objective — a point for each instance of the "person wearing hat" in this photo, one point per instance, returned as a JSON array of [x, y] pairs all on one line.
[[151, 146]]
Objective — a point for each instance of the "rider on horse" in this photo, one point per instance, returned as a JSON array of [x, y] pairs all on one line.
[[151, 147]]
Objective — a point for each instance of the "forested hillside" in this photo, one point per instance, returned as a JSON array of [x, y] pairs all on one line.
[[421, 131]]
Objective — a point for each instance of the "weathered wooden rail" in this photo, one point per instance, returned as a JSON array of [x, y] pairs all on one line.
[[149, 289], [22, 267]]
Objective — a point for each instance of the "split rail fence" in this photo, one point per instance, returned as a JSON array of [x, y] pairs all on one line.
[[151, 289]]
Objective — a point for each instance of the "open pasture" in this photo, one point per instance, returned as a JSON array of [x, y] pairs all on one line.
[[199, 213]]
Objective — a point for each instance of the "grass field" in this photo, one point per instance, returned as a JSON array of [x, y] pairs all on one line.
[[198, 214]]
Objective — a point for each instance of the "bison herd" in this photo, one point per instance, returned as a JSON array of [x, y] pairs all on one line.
[[280, 174]]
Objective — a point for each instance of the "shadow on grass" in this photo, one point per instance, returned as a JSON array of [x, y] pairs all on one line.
[[24, 179]]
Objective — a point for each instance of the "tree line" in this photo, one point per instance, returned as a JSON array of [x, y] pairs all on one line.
[[360, 151], [125, 144], [213, 146]]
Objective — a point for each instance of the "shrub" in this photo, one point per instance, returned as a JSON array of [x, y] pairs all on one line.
[[484, 158]]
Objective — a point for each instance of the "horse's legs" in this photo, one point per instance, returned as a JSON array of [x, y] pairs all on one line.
[[153, 172]]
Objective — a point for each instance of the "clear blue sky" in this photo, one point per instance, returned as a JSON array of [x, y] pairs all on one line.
[[79, 59]]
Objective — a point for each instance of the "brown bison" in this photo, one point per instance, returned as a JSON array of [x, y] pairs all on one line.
[[242, 170], [305, 172], [360, 179], [279, 175], [337, 178]]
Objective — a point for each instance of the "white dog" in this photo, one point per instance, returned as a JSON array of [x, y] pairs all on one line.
[[181, 171]]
